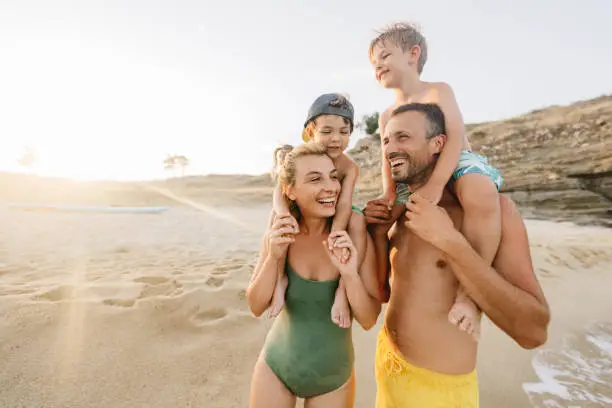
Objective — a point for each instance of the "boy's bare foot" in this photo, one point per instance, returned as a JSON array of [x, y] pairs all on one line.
[[278, 299], [340, 312], [466, 316]]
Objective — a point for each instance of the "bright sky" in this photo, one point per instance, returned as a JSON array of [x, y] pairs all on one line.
[[105, 89]]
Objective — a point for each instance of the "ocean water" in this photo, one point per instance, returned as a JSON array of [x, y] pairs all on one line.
[[578, 374]]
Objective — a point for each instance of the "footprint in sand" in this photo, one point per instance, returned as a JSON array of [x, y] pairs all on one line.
[[545, 273], [228, 268], [158, 286], [588, 257], [57, 294], [119, 302], [557, 261], [209, 316], [152, 280], [215, 281]]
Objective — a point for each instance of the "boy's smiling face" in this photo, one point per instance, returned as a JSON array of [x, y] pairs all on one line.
[[333, 132], [391, 63]]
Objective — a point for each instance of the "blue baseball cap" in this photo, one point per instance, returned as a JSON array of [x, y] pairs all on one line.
[[329, 104]]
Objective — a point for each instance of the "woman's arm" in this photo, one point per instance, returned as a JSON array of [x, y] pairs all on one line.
[[270, 264], [510, 295]]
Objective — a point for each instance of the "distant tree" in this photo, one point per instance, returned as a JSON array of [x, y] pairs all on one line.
[[176, 162], [28, 158], [369, 124]]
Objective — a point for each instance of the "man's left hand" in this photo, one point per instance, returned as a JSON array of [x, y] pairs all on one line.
[[430, 222]]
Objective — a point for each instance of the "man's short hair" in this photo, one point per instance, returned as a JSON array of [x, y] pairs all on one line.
[[434, 115], [403, 35]]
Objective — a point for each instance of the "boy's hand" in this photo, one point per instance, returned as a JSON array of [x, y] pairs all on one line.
[[431, 192]]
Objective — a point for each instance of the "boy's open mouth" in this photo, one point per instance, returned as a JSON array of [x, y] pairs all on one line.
[[380, 74]]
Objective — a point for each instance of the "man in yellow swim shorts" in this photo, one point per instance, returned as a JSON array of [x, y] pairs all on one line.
[[423, 358]]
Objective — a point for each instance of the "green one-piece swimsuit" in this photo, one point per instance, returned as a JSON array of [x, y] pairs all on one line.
[[308, 352]]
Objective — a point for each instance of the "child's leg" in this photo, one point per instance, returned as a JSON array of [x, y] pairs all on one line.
[[481, 226], [341, 312]]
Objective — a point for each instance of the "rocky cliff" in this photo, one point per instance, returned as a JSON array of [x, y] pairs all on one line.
[[556, 162]]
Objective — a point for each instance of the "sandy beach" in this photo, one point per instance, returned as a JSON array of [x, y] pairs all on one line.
[[148, 310]]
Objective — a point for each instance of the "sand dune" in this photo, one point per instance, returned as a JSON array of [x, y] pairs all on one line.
[[125, 310]]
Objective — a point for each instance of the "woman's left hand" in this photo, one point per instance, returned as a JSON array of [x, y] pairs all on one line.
[[342, 241]]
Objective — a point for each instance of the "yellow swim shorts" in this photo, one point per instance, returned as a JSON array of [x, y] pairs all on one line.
[[403, 385]]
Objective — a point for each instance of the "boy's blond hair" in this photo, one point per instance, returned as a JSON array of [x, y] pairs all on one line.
[[404, 35]]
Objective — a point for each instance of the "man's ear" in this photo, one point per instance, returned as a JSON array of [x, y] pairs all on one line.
[[437, 143]]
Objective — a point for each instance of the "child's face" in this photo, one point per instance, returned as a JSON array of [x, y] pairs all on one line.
[[391, 64], [333, 132]]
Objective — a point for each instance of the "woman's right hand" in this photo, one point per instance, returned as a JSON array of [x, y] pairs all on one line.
[[281, 234]]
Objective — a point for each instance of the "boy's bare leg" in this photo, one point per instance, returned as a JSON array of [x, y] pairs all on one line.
[[278, 299], [341, 312], [481, 226]]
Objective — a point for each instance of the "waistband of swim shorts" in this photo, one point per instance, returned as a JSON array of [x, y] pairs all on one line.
[[401, 366]]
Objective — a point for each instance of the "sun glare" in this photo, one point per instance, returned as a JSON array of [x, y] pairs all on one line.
[[93, 114]]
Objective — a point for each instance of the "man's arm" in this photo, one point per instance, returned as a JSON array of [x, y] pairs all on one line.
[[510, 294]]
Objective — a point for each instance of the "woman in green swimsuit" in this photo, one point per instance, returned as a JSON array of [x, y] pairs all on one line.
[[305, 354]]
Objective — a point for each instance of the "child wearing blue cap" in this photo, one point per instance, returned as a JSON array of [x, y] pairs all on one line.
[[330, 122]]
